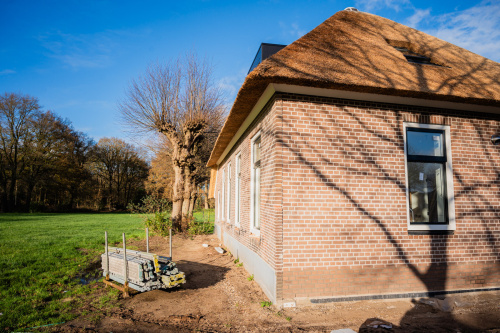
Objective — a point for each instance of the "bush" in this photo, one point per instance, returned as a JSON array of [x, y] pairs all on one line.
[[160, 223], [150, 204], [200, 228]]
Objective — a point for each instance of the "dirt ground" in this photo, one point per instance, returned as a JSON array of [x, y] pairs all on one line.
[[218, 297]]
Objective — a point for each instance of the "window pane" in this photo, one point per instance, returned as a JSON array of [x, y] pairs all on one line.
[[229, 191], [237, 191], [427, 186], [223, 193], [218, 204], [425, 143], [257, 199], [256, 150]]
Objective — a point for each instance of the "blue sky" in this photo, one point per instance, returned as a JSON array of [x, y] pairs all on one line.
[[77, 57]]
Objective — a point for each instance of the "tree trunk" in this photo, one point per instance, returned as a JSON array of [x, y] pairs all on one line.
[[177, 198], [29, 193], [186, 197], [12, 191], [205, 195], [191, 204]]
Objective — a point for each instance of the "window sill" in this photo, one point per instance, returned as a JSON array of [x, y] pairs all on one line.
[[255, 233], [430, 232], [431, 229]]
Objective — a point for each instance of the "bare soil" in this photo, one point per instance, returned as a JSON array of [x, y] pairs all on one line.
[[219, 297]]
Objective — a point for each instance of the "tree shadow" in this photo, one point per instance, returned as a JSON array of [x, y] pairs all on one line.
[[367, 62], [201, 275]]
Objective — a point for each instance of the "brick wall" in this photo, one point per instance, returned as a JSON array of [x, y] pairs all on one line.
[[344, 202], [268, 244], [333, 207]]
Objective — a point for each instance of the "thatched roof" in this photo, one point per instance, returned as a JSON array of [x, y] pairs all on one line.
[[355, 51]]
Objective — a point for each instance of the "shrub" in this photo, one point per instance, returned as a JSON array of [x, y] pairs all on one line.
[[200, 228], [160, 223], [150, 204]]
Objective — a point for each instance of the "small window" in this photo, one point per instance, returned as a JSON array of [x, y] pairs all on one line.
[[255, 193], [414, 57], [429, 177], [237, 190]]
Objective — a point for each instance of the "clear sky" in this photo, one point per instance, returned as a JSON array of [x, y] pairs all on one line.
[[77, 57]]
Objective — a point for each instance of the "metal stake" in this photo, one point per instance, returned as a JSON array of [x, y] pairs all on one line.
[[107, 254], [170, 237], [125, 285], [147, 240]]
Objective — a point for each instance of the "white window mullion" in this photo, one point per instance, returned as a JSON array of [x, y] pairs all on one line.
[[223, 193], [237, 191], [228, 206], [255, 168]]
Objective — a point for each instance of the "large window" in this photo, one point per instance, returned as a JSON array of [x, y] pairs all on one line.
[[228, 206], [429, 177], [237, 190], [255, 193]]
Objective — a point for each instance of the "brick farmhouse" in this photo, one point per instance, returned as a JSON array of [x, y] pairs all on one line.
[[358, 162]]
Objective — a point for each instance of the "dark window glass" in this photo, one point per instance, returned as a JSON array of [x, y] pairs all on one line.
[[425, 143], [426, 165], [427, 185]]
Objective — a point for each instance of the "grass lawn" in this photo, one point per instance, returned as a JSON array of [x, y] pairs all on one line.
[[42, 257]]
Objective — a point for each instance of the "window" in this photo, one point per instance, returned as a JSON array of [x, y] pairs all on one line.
[[255, 193], [228, 206], [237, 190], [413, 57], [429, 178], [223, 194], [218, 205]]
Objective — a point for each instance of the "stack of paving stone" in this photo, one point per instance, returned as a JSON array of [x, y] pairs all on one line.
[[146, 271]]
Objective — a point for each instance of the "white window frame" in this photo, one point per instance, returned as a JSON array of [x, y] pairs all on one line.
[[218, 205], [451, 226], [228, 202], [223, 180], [253, 229], [237, 190]]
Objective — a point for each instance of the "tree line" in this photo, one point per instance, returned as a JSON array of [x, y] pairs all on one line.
[[47, 165]]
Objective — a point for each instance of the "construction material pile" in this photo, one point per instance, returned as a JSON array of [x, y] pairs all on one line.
[[145, 271]]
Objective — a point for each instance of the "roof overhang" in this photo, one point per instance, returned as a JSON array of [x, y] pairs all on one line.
[[273, 88]]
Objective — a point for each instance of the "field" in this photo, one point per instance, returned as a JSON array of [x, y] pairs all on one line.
[[46, 259]]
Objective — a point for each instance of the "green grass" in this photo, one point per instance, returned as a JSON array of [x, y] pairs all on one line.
[[42, 257], [203, 223], [265, 304]]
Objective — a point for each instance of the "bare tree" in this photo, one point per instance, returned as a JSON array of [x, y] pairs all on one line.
[[179, 100], [16, 113], [121, 170]]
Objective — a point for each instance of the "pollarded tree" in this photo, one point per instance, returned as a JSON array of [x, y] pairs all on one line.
[[180, 101]]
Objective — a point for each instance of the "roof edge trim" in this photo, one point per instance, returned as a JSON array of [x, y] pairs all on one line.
[[264, 98], [368, 97], [272, 88]]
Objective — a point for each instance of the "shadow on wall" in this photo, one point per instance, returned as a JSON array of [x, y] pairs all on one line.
[[357, 160]]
